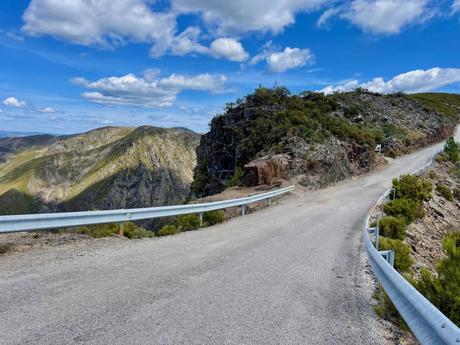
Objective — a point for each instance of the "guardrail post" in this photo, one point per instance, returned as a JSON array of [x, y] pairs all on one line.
[[200, 216], [243, 209], [269, 201], [389, 256], [121, 230], [377, 231]]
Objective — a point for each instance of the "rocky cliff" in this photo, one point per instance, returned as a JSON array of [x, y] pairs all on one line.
[[106, 168], [316, 139]]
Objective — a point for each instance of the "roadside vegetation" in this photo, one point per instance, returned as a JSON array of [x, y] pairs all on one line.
[[442, 288]]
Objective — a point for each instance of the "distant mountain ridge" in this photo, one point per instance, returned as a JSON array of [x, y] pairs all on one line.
[[106, 168], [9, 134]]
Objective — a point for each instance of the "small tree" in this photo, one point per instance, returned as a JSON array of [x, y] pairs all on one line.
[[403, 260], [443, 290], [451, 149], [412, 187], [393, 227]]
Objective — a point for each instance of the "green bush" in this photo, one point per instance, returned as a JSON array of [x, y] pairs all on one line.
[[99, 230], [407, 209], [456, 193], [213, 217], [393, 227], [455, 171], [432, 175], [443, 290], [412, 187], [451, 149], [131, 231], [445, 192], [188, 222], [235, 180], [441, 158], [168, 230], [403, 260]]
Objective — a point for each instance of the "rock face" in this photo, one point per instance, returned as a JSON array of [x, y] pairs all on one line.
[[316, 139], [106, 168], [441, 217]]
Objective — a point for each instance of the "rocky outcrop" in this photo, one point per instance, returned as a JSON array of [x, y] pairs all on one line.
[[317, 139]]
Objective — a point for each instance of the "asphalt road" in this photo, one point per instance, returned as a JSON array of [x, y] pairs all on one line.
[[293, 273]]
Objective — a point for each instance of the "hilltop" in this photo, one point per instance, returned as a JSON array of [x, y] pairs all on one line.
[[107, 168], [316, 139]]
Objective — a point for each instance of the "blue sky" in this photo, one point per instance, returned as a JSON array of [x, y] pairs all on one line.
[[73, 65]]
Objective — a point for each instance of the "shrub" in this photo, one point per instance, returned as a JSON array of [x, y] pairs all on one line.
[[99, 230], [393, 227], [456, 193], [188, 222], [451, 150], [235, 180], [131, 231], [432, 175], [213, 217], [412, 187], [455, 171], [443, 290], [168, 230], [445, 192], [407, 209], [441, 158], [403, 260]]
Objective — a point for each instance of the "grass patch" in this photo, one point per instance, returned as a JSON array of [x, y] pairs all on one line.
[[445, 192]]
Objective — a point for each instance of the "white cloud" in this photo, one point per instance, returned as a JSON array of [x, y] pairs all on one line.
[[411, 82], [228, 48], [347, 86], [148, 90], [14, 102], [239, 16], [327, 14], [104, 22], [289, 58], [386, 16], [115, 22], [456, 6], [48, 110]]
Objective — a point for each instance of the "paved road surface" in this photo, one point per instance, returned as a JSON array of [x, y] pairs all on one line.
[[289, 274]]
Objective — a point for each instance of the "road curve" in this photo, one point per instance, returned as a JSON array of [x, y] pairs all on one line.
[[288, 274]]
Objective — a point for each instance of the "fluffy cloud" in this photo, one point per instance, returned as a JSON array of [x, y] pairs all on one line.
[[114, 22], [380, 16], [14, 102], [279, 62], [239, 16], [98, 21], [228, 48], [411, 82], [149, 90], [386, 16]]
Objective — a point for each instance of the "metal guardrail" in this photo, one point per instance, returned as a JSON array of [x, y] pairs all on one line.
[[428, 324], [41, 221]]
